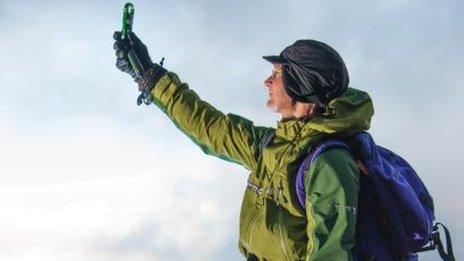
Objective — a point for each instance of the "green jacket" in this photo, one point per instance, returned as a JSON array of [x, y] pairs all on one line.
[[272, 225]]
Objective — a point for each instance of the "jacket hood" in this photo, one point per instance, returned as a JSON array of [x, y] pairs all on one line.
[[347, 114]]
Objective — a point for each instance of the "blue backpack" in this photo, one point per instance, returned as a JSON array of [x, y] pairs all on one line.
[[395, 211]]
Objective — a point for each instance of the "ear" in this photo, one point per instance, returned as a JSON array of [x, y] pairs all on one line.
[[304, 110]]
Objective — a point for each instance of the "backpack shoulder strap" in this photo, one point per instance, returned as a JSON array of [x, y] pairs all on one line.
[[310, 157]]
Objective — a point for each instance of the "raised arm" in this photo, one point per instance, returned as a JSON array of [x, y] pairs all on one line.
[[227, 136]]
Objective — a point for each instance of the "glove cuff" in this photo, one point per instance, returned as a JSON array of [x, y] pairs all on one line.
[[150, 77], [147, 82]]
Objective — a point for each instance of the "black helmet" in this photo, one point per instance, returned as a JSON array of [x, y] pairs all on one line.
[[312, 72]]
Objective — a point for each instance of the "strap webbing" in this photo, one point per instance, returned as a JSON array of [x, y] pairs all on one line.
[[447, 255], [436, 243]]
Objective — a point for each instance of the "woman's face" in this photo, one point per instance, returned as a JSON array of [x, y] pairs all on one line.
[[278, 100]]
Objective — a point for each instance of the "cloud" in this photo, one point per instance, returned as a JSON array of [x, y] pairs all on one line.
[[91, 189], [157, 216]]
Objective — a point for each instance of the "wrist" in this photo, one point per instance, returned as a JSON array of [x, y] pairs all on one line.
[[150, 77]]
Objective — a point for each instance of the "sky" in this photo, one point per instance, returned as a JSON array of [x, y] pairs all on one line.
[[86, 174]]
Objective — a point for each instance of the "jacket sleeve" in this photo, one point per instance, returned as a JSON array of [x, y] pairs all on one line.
[[229, 137], [331, 207]]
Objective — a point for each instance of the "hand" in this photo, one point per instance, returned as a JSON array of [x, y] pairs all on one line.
[[148, 75], [123, 46]]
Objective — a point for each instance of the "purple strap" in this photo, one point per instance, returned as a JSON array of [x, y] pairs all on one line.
[[312, 155]]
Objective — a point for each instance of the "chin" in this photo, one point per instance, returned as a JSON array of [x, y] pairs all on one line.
[[271, 106]]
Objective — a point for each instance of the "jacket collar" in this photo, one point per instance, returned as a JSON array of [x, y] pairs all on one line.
[[293, 129], [347, 114]]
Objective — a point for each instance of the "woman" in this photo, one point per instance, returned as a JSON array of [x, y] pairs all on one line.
[[309, 88]]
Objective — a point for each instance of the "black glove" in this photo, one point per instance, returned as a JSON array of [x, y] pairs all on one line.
[[150, 73]]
